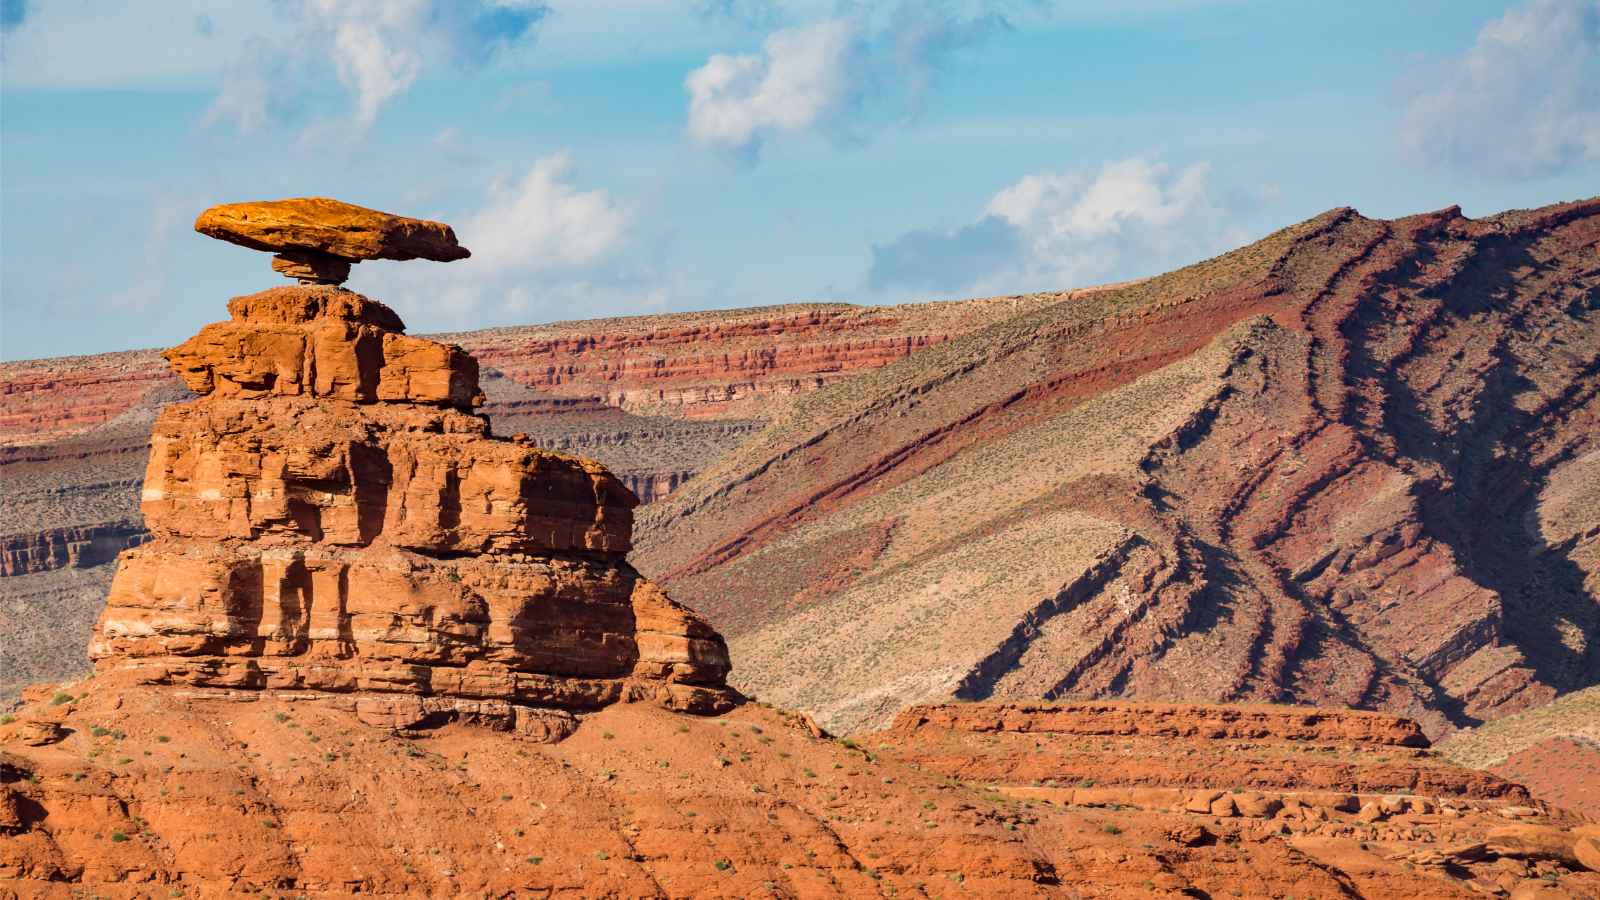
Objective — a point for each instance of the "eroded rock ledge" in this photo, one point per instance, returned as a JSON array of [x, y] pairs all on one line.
[[330, 516], [1170, 720]]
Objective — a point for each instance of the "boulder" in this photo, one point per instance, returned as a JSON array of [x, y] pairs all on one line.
[[1256, 806], [1586, 850], [1200, 801], [1536, 842]]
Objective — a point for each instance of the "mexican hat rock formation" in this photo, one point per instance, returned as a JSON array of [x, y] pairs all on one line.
[[317, 239], [331, 516]]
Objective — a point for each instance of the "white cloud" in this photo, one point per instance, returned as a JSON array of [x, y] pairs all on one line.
[[1523, 101], [539, 244], [378, 49], [818, 76], [803, 76], [1055, 230], [543, 224]]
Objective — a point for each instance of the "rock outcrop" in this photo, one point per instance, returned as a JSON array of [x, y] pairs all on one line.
[[331, 516], [317, 239]]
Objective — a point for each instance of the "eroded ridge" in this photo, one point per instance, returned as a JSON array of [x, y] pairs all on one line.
[[331, 516], [1353, 464]]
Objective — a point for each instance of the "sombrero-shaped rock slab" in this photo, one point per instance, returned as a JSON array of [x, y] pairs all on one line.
[[319, 225]]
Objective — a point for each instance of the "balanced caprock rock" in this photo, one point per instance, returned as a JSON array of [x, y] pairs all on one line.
[[331, 516], [317, 239]]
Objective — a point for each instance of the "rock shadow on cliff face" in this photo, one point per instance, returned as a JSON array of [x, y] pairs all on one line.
[[1485, 507]]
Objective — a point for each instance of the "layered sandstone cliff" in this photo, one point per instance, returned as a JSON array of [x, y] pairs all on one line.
[[332, 516]]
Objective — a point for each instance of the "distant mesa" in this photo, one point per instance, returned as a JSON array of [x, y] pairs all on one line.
[[316, 239]]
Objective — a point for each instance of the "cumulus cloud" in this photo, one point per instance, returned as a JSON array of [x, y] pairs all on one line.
[[542, 223], [1524, 101], [539, 244], [378, 49], [802, 77], [819, 75], [1055, 230]]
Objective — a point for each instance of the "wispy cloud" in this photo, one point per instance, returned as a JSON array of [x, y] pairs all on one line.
[[1524, 101], [1055, 230], [818, 76], [377, 48]]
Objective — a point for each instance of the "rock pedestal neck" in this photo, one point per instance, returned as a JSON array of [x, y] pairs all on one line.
[[331, 516]]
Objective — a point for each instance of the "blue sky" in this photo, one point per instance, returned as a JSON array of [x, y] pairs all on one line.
[[634, 156]]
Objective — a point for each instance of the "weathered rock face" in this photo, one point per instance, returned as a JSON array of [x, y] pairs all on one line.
[[331, 227], [322, 342], [328, 517]]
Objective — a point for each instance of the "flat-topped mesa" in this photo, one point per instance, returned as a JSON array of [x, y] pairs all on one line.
[[331, 516], [316, 239]]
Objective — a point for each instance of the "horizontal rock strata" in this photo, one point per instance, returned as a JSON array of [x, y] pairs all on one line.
[[1179, 720]]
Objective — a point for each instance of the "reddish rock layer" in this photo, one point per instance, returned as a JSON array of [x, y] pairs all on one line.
[[1172, 720], [45, 399], [1559, 770], [302, 471]]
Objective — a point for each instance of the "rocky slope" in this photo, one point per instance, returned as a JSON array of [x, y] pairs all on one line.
[[653, 397], [1353, 464]]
